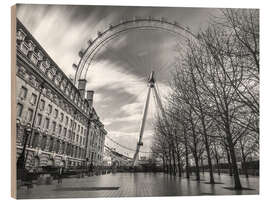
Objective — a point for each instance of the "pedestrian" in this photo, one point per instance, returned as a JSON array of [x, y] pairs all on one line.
[[60, 173], [91, 168]]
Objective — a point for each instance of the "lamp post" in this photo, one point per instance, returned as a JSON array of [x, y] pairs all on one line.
[[91, 164], [21, 159], [18, 124]]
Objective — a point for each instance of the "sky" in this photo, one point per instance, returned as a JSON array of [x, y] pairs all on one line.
[[118, 73]]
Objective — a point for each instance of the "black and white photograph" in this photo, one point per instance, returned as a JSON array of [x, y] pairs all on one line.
[[135, 101]]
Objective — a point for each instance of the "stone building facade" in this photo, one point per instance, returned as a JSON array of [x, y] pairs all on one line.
[[96, 141], [64, 127]]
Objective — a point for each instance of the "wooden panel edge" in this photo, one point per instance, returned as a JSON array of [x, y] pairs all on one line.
[[13, 103]]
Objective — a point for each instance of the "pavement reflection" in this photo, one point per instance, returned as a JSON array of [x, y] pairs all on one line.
[[138, 184]]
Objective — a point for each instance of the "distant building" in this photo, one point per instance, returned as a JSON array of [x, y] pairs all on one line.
[[65, 128], [143, 158]]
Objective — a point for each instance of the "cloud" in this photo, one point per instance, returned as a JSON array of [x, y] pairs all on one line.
[[133, 108], [119, 71]]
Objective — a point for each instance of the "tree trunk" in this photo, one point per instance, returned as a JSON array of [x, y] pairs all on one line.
[[170, 162], [245, 166], [212, 181], [217, 160], [237, 181], [218, 166], [229, 161], [206, 143], [243, 159], [195, 155], [202, 165], [174, 162], [179, 165], [164, 164], [197, 166], [186, 152]]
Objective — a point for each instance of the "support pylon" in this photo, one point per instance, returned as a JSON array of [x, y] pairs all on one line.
[[151, 84]]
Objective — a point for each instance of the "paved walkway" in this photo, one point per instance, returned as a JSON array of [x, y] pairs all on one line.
[[137, 184]]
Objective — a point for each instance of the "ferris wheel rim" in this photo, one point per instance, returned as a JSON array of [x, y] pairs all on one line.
[[98, 43]]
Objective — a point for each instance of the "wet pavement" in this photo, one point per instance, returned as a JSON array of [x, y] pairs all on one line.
[[138, 184]]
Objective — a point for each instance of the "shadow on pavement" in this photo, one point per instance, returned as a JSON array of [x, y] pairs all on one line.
[[85, 188]]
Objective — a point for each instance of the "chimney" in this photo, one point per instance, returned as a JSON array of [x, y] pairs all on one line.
[[89, 97], [81, 87]]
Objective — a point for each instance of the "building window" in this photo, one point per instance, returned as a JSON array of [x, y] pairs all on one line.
[[63, 148], [66, 121], [69, 134], [68, 149], [65, 132], [57, 147], [51, 145], [53, 126], [80, 140], [35, 140], [30, 115], [79, 128], [43, 142], [59, 129], [23, 93], [39, 120], [61, 117], [55, 113], [73, 137], [80, 151], [41, 105], [47, 123], [19, 110], [77, 138], [49, 109], [33, 99]]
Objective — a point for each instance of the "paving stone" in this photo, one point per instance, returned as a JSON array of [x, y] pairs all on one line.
[[137, 185]]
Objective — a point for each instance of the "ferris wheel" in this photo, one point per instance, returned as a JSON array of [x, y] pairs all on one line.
[[113, 32]]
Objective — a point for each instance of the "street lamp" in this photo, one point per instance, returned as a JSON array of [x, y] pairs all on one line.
[[18, 122], [21, 159]]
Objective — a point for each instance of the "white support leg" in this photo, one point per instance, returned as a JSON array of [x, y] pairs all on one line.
[[142, 127]]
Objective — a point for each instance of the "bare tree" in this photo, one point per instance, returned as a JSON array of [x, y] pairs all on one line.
[[213, 109]]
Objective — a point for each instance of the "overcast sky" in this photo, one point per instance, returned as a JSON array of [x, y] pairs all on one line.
[[118, 73]]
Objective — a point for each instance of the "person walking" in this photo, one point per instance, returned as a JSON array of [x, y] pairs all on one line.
[[60, 173], [91, 169]]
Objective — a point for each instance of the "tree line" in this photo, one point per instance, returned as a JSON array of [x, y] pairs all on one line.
[[212, 112]]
